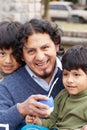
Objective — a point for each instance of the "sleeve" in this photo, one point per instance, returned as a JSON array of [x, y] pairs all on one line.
[[8, 109], [53, 119]]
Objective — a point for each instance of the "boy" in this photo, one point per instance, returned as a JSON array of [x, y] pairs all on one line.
[[70, 111], [9, 62]]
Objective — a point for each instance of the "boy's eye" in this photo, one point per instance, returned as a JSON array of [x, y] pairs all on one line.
[[77, 74], [65, 74], [2, 53]]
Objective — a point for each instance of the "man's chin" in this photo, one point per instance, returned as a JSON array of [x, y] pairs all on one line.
[[44, 76]]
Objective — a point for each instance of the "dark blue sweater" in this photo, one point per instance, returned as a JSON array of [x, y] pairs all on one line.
[[16, 88]]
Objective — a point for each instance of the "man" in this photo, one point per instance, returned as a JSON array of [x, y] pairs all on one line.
[[19, 92]]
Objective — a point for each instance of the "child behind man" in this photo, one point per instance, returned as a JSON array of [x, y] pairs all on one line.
[[70, 111], [9, 61]]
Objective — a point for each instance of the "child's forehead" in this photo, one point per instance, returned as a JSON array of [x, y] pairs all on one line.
[[74, 70], [5, 49]]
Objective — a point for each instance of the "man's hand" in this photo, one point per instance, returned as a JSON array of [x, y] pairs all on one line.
[[31, 106]]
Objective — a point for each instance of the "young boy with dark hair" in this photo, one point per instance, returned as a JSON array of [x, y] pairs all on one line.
[[70, 111], [9, 61]]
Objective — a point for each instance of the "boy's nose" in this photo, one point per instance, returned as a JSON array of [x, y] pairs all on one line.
[[8, 59], [70, 79]]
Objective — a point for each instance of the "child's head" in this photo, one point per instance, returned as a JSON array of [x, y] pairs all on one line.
[[75, 58], [9, 61], [74, 63]]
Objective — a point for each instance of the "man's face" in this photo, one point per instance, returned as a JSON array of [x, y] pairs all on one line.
[[8, 63], [39, 53]]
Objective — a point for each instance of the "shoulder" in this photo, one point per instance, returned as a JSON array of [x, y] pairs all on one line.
[[14, 82], [63, 93], [13, 77]]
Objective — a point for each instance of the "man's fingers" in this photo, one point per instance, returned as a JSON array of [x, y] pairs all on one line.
[[36, 111], [39, 97]]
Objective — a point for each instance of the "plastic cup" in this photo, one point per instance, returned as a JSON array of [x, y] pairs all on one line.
[[50, 103]]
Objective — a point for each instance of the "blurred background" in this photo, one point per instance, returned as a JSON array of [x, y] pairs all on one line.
[[70, 15]]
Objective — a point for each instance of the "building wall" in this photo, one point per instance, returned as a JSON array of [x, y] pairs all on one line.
[[82, 2], [20, 10]]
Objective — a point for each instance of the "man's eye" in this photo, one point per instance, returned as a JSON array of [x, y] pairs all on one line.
[[30, 51], [45, 47]]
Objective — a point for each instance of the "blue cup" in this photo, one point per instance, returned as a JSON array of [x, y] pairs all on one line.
[[50, 103]]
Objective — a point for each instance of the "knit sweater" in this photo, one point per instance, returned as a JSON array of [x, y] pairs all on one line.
[[70, 111], [16, 88]]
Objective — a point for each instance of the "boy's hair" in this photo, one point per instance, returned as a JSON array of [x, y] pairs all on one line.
[[75, 58], [39, 26], [8, 37], [8, 32]]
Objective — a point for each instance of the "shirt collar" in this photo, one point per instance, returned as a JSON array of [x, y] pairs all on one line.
[[58, 64], [41, 81]]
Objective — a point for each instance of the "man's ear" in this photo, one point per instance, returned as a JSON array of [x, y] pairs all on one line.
[[57, 48], [22, 58]]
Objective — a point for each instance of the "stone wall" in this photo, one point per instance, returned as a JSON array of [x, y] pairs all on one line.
[[21, 10], [74, 37]]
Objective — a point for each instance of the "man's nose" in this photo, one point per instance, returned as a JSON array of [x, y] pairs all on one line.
[[39, 55]]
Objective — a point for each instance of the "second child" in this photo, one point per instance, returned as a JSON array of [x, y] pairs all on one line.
[[9, 61]]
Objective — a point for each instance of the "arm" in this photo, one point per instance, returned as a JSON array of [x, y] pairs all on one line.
[[52, 119], [14, 113], [8, 110]]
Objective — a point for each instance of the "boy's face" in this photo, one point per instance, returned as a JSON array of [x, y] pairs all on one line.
[[75, 81], [8, 63], [39, 53]]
